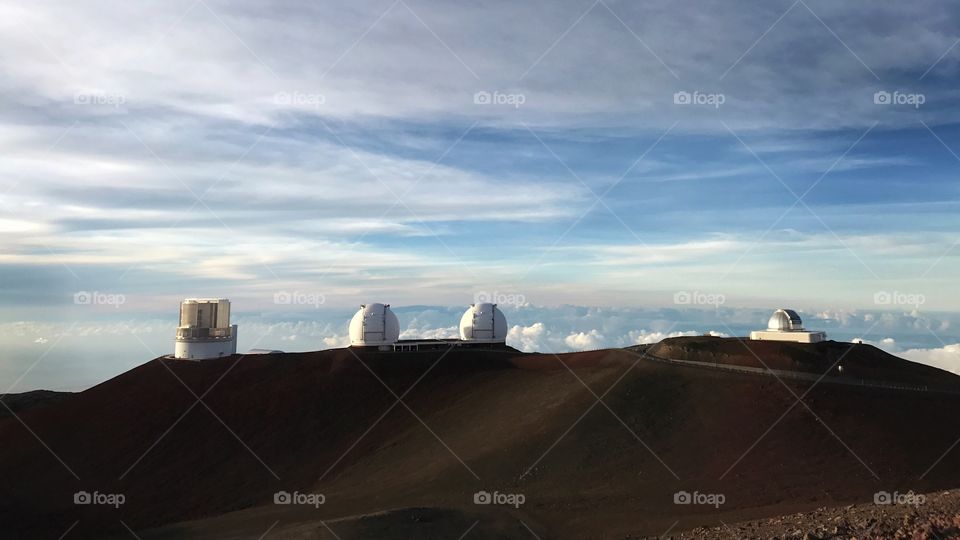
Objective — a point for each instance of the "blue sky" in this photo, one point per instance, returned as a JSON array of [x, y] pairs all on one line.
[[422, 153]]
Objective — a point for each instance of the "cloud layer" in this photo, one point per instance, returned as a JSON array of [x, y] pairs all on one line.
[[614, 61], [67, 355]]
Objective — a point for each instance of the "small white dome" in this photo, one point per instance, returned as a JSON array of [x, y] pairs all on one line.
[[374, 324], [785, 320], [483, 323]]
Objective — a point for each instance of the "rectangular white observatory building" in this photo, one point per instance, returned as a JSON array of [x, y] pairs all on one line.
[[205, 330]]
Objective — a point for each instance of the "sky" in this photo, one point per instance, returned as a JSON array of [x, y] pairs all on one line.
[[609, 170]]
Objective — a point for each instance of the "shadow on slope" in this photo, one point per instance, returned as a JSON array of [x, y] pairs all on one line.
[[530, 424]]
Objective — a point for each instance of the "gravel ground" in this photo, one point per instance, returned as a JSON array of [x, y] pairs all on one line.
[[937, 518]]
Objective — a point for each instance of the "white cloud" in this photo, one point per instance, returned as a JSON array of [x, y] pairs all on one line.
[[227, 63], [946, 358], [268, 209], [527, 338], [334, 342], [200, 82], [584, 340], [450, 332]]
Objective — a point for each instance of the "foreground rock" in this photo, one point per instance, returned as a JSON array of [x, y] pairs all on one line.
[[937, 517]]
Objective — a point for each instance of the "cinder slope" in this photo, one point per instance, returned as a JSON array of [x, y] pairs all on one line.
[[322, 422], [858, 361], [16, 403]]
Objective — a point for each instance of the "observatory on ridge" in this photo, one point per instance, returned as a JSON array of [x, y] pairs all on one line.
[[483, 323], [205, 331], [375, 326], [786, 325]]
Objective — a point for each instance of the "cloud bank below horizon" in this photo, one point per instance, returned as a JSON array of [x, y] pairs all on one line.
[[75, 356]]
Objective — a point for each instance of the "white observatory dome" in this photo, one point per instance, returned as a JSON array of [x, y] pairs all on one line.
[[373, 325], [483, 323], [785, 320]]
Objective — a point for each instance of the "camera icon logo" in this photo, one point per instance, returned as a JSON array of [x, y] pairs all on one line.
[[882, 298], [482, 98], [882, 497], [482, 497], [682, 298], [82, 497], [881, 97], [682, 497], [282, 497], [282, 297], [82, 298], [682, 98]]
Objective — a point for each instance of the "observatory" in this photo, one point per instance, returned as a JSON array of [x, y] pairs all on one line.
[[205, 330], [786, 325], [483, 323], [374, 325]]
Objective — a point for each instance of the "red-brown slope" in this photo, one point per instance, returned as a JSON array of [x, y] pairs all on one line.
[[144, 434], [867, 363], [527, 425]]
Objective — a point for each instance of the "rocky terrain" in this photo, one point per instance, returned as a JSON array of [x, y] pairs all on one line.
[[934, 516]]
